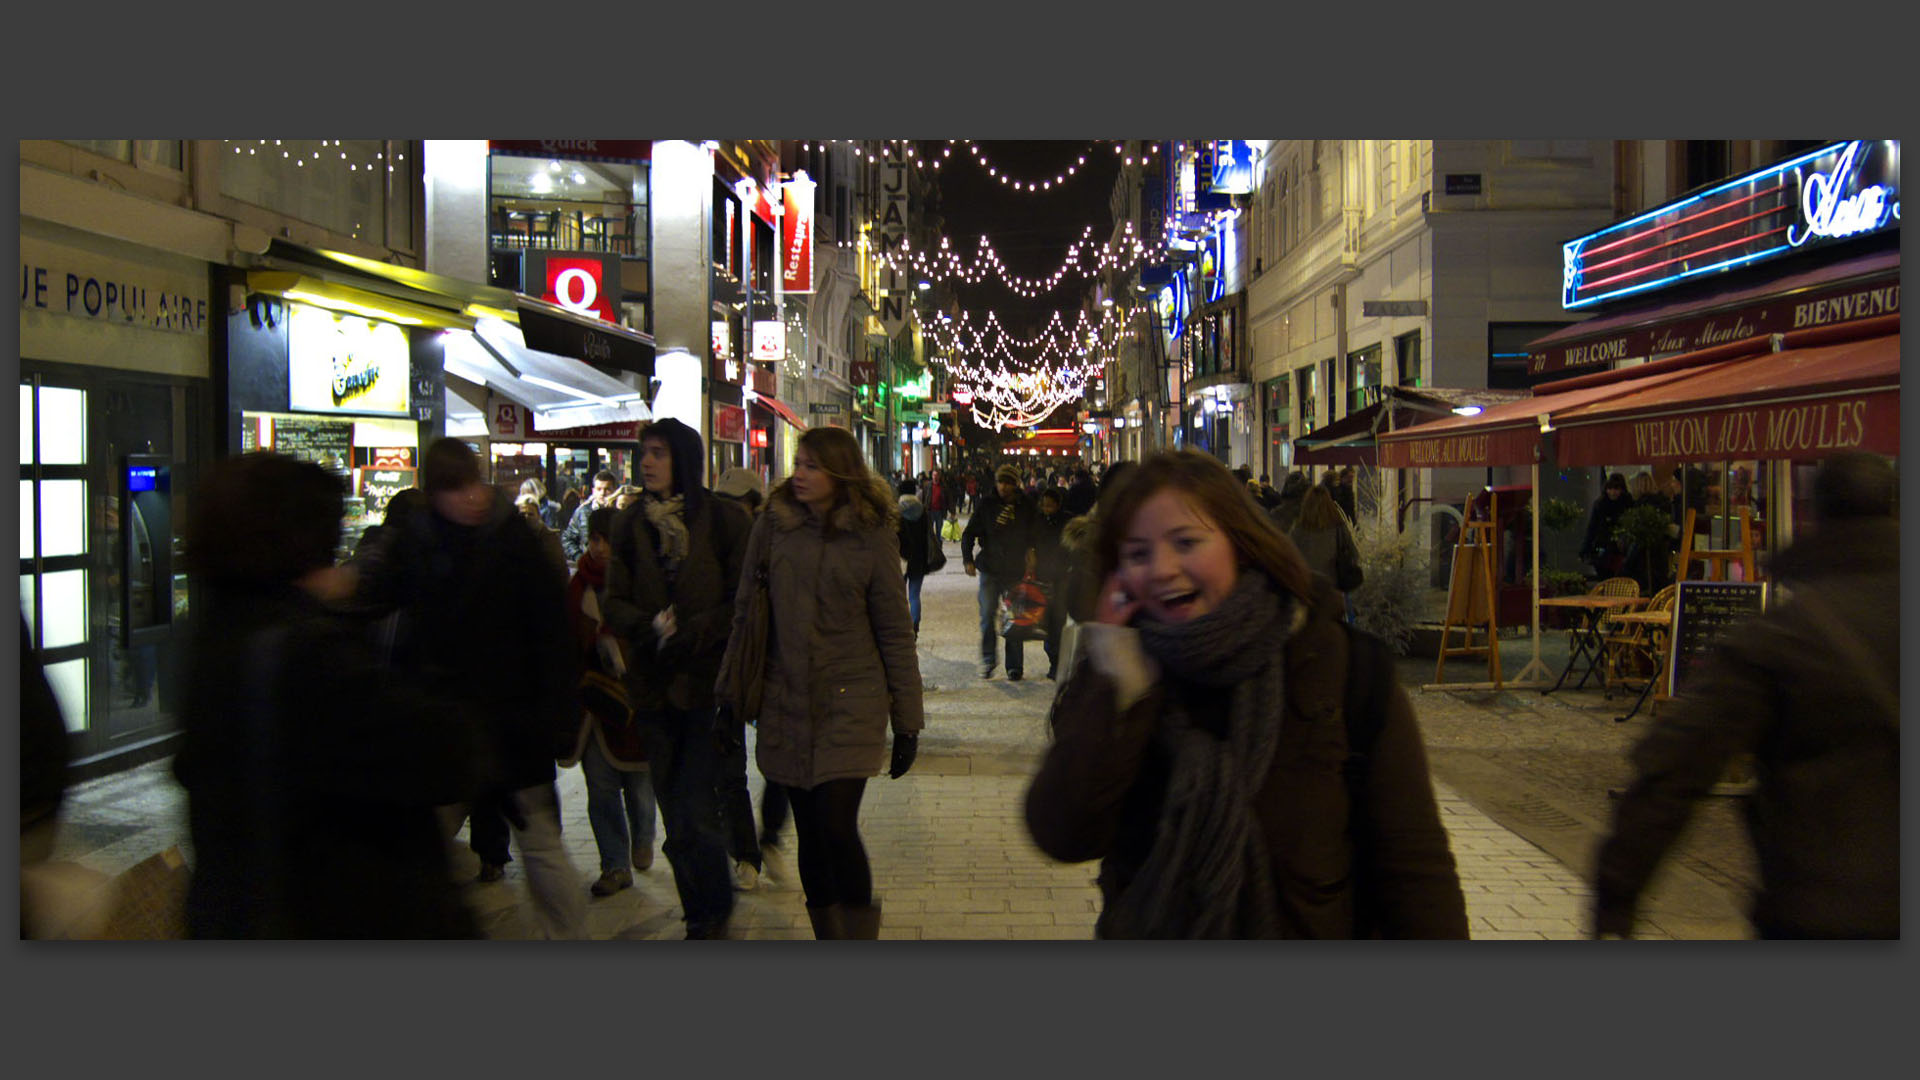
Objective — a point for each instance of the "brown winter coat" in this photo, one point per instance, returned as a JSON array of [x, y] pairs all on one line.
[[841, 663], [1099, 791], [680, 673]]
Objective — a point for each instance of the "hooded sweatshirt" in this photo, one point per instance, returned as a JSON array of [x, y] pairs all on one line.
[[916, 534]]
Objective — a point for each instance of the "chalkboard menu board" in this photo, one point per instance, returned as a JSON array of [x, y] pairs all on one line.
[[1703, 612], [327, 443]]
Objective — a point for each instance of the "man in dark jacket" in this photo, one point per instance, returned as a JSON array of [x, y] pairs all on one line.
[[1081, 493], [573, 539], [677, 556], [1002, 525], [1811, 690], [484, 622]]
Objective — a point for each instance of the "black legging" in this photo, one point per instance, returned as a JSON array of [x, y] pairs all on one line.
[[833, 862]]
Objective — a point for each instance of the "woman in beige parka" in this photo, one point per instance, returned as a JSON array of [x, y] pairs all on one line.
[[841, 665]]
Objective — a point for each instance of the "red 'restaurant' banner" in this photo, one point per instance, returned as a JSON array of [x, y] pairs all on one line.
[[796, 236]]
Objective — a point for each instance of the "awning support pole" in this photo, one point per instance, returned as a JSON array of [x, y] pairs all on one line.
[[1535, 673]]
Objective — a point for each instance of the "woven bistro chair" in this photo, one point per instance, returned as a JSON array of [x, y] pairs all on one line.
[[1630, 649]]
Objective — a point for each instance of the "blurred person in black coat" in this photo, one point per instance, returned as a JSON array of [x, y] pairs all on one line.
[[1810, 689], [311, 773], [484, 624]]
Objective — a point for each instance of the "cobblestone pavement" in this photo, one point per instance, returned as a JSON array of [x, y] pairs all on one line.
[[1521, 779]]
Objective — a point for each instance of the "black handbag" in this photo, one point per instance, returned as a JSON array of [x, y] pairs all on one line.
[[936, 555], [745, 682]]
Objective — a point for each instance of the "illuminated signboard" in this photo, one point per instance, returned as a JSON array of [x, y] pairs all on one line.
[[1846, 190], [1232, 166], [579, 285], [346, 364], [1173, 303], [769, 339], [796, 235]]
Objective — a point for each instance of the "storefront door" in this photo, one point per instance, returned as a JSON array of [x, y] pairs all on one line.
[[107, 462]]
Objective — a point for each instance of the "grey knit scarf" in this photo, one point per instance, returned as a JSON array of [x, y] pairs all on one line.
[[1208, 874], [668, 518]]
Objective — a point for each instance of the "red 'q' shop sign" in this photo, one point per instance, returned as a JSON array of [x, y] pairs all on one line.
[[796, 235], [580, 285]]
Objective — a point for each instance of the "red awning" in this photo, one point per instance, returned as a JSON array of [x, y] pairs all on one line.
[[1507, 434], [780, 409], [1352, 439], [1803, 403]]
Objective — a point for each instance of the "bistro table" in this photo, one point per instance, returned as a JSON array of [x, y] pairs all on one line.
[[1585, 635], [1659, 626]]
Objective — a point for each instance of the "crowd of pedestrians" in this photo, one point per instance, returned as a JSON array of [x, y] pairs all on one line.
[[1237, 757]]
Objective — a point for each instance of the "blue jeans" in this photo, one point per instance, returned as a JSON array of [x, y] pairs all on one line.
[[913, 597], [684, 758], [991, 588], [620, 808]]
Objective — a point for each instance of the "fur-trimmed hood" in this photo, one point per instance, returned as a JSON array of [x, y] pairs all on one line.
[[1078, 535], [911, 508], [870, 506]]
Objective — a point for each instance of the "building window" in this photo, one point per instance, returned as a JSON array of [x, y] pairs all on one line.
[[1705, 161], [1306, 399], [1406, 359], [163, 153], [1507, 365], [1363, 377]]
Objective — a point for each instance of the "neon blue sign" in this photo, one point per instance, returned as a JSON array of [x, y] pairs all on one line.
[[1232, 166], [1828, 211], [1842, 191]]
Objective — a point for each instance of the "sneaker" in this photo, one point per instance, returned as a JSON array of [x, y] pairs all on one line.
[[746, 877], [612, 881], [986, 671], [642, 857], [491, 872]]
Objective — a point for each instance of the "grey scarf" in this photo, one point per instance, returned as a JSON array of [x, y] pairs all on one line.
[[1208, 874], [669, 521]]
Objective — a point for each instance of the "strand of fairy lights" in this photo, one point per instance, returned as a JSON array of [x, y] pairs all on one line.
[[1056, 343], [1120, 255], [979, 156]]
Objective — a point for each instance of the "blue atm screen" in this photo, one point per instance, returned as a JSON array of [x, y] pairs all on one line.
[[141, 479]]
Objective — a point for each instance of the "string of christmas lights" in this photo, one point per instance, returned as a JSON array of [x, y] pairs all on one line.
[[979, 156], [1056, 343], [1083, 257]]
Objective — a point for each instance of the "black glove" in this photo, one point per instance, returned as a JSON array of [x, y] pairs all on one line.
[[729, 735], [905, 746]]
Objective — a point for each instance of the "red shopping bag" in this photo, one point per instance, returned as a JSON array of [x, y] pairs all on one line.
[[1023, 611]]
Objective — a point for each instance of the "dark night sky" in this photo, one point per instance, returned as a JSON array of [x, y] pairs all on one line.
[[1030, 230]]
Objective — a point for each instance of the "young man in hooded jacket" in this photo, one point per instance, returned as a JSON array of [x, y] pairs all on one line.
[[677, 557]]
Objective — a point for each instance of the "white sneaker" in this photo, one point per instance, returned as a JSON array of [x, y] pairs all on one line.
[[745, 877]]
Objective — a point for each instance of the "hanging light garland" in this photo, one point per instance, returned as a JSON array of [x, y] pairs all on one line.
[[1083, 257], [912, 153], [1022, 391]]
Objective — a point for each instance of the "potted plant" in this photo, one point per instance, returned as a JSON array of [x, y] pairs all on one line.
[[1642, 531]]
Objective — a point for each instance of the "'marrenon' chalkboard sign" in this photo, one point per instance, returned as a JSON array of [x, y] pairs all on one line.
[[1703, 613]]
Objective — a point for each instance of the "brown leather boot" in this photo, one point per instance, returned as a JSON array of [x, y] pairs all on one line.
[[829, 922], [862, 923]]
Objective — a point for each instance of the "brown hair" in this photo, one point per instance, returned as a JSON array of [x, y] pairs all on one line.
[[448, 465], [837, 454], [1318, 510], [1214, 492]]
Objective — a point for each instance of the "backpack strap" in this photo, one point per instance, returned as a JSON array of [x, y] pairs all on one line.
[[1364, 705]]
